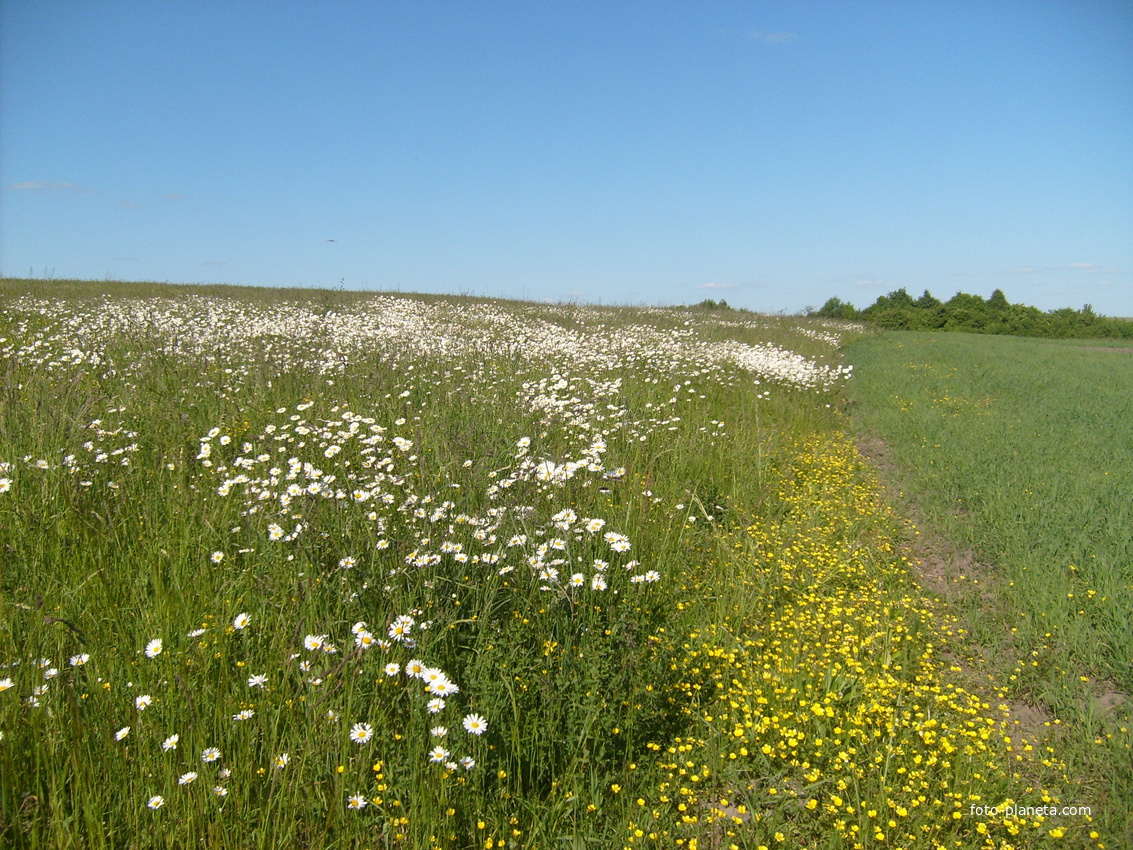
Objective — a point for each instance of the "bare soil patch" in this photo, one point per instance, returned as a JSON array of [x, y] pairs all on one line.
[[939, 565]]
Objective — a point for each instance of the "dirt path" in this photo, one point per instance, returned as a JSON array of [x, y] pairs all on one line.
[[954, 575]]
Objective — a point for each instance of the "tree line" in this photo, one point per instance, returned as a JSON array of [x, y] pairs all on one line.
[[971, 313]]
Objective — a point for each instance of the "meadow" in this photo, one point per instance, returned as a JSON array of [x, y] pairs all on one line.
[[335, 570]]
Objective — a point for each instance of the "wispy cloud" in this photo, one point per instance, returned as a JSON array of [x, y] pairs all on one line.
[[47, 186], [715, 286], [1088, 267], [771, 37], [869, 283], [130, 205]]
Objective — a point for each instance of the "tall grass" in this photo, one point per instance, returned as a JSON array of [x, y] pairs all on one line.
[[384, 571]]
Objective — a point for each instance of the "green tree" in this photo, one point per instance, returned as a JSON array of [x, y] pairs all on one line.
[[964, 312], [836, 308], [998, 301]]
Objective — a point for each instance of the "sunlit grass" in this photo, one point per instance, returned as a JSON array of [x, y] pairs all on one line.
[[317, 569]]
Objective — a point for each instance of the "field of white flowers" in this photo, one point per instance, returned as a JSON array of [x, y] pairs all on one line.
[[344, 571]]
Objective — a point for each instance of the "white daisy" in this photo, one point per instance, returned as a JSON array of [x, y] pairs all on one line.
[[438, 755], [474, 724], [360, 733]]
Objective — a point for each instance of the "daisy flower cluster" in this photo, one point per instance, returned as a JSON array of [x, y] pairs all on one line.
[[295, 336], [301, 467]]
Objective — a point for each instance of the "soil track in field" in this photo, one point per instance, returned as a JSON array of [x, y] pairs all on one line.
[[953, 574]]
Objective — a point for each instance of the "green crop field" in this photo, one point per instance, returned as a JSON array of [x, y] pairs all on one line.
[[1019, 452], [346, 570]]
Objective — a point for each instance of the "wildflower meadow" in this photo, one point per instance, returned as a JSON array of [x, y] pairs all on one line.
[[345, 570]]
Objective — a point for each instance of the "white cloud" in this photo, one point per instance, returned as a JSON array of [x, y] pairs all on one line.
[[46, 186], [772, 37], [1089, 268], [715, 286], [869, 283]]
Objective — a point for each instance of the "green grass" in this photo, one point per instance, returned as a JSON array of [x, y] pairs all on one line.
[[1022, 451], [756, 668]]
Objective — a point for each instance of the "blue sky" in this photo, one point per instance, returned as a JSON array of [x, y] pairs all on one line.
[[773, 154]]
